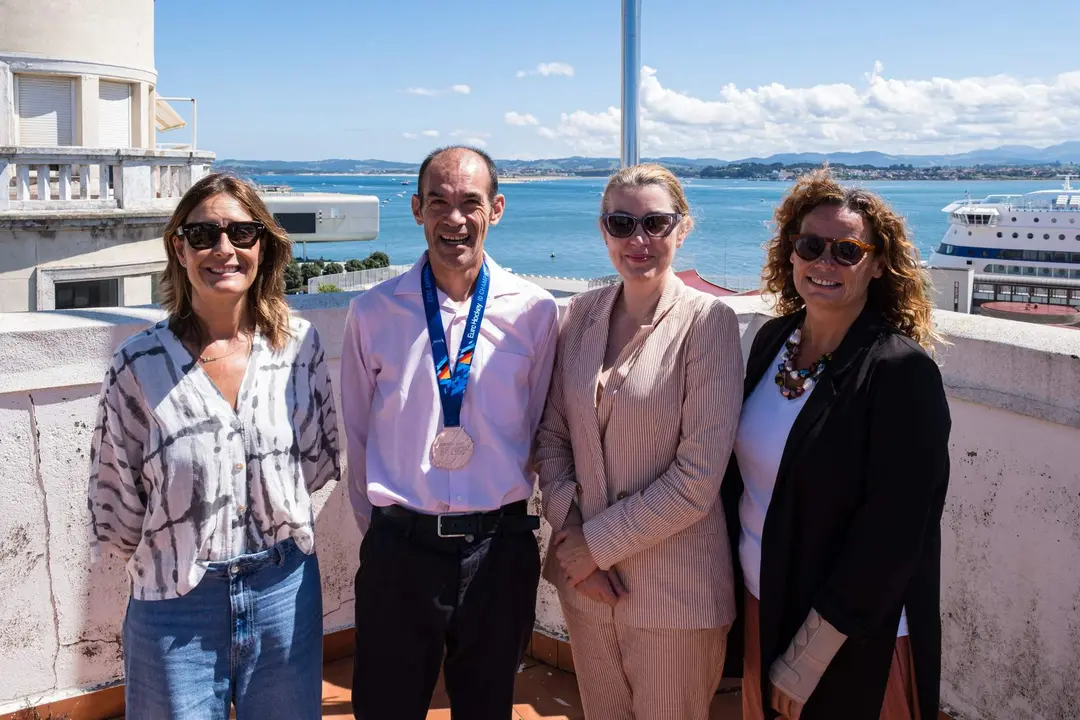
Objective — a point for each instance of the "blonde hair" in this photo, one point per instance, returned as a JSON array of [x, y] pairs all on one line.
[[651, 174], [901, 294], [265, 298]]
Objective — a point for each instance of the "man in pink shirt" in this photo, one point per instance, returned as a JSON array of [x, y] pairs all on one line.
[[444, 375]]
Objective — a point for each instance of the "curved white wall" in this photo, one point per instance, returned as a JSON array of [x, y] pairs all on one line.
[[117, 33]]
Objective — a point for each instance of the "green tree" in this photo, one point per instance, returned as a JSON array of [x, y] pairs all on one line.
[[332, 268], [329, 288], [378, 259], [354, 265], [308, 271], [293, 278]]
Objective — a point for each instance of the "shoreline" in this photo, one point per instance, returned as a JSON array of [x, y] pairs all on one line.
[[519, 179]]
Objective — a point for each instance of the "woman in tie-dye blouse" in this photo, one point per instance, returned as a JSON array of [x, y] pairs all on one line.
[[215, 426]]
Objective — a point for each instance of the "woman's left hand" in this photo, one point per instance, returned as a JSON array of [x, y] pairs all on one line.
[[573, 554], [781, 703]]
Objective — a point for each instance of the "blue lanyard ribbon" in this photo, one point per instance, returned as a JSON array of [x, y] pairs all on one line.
[[452, 385]]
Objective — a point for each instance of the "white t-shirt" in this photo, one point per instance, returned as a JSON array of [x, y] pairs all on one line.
[[767, 418]]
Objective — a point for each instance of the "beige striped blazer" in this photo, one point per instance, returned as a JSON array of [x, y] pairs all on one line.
[[644, 465]]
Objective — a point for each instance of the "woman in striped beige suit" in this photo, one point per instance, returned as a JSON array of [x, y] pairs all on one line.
[[640, 422]]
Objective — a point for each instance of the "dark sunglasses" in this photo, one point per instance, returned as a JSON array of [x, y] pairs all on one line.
[[845, 251], [203, 236], [657, 224]]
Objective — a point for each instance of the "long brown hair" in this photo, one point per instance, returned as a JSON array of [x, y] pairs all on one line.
[[265, 298], [901, 294]]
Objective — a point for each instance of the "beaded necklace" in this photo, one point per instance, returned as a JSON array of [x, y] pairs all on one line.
[[786, 369]]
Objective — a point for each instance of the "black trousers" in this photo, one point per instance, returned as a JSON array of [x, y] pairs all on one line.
[[425, 602]]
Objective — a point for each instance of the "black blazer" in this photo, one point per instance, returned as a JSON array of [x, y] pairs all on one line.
[[853, 528]]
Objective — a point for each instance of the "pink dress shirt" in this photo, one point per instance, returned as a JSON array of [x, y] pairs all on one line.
[[390, 399]]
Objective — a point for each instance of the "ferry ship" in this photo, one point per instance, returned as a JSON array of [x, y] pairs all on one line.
[[1036, 234]]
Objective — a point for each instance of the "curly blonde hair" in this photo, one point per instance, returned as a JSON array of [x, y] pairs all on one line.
[[902, 293], [265, 298]]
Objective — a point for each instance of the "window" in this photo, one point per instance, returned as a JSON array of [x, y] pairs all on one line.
[[1046, 236], [297, 222], [87, 294], [1061, 237], [114, 114], [1014, 269], [1016, 235], [1031, 236], [45, 111], [999, 235], [1036, 219]]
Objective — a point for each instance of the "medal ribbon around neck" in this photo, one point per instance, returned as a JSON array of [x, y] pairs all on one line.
[[452, 384]]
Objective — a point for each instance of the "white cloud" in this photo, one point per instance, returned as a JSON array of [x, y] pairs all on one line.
[[409, 136], [548, 69], [879, 113], [430, 133], [476, 142], [429, 92], [515, 118]]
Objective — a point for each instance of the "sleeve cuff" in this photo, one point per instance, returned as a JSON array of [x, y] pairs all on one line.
[[799, 670], [557, 502], [601, 542]]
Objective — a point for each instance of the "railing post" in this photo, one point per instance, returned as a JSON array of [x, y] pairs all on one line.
[[44, 189], [631, 80], [84, 182], [103, 181], [64, 185], [22, 182]]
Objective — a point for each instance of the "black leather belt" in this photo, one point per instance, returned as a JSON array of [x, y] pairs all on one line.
[[513, 518]]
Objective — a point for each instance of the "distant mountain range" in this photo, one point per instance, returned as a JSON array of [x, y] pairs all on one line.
[[1006, 155]]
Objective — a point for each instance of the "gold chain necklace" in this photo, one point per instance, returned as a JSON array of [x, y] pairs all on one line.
[[204, 359]]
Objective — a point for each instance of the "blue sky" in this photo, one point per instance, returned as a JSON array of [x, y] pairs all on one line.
[[391, 80]]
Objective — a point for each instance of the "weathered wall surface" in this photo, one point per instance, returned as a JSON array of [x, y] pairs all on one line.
[[1011, 567], [1011, 557]]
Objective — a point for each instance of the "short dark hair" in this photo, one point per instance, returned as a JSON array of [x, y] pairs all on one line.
[[493, 173]]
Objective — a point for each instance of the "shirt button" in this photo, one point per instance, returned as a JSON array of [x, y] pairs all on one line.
[[234, 569], [238, 466]]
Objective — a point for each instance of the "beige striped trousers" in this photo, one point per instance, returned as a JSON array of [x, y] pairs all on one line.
[[626, 673]]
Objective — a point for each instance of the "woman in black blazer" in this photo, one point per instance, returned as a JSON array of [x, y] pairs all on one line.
[[835, 491]]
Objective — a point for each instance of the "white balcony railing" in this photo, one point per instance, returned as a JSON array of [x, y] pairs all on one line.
[[63, 179]]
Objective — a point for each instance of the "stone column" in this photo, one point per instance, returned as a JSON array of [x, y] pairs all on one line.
[[7, 106]]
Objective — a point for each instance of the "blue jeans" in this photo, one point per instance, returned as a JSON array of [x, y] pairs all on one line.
[[249, 634]]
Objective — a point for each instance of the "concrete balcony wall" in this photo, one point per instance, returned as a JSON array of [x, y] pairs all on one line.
[[1011, 556], [62, 219]]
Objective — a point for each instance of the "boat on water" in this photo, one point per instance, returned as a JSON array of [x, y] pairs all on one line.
[[1036, 234], [322, 217]]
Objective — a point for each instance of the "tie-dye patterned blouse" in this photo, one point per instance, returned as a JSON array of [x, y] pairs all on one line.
[[179, 478]]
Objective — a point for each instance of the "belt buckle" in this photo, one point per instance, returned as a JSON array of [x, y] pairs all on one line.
[[439, 525]]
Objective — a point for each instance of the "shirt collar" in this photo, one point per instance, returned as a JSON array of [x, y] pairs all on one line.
[[502, 281]]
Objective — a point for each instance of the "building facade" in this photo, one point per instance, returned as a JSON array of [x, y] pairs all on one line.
[[84, 186]]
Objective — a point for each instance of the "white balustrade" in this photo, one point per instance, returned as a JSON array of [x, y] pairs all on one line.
[[76, 178]]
